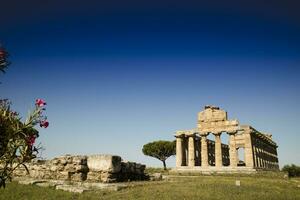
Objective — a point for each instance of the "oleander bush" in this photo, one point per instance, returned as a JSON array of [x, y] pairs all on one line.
[[17, 138]]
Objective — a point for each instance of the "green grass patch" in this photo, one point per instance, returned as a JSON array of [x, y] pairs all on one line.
[[151, 170], [200, 187]]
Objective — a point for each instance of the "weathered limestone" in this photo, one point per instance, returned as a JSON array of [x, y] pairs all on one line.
[[204, 151], [191, 150], [96, 168], [104, 167], [75, 187], [218, 150], [214, 120], [232, 150], [104, 163], [179, 151], [73, 168], [249, 152], [260, 151]]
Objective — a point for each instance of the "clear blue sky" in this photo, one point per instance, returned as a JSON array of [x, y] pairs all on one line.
[[118, 75]]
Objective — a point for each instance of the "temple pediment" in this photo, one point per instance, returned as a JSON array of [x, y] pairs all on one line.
[[215, 120]]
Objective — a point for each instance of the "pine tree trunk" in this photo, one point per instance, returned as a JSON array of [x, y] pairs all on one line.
[[165, 166]]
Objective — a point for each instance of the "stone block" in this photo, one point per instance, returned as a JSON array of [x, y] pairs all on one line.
[[71, 188], [30, 181], [156, 177], [106, 163], [108, 177], [77, 176], [94, 176], [212, 114]]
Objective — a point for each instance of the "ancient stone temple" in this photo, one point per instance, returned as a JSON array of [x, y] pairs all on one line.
[[194, 151]]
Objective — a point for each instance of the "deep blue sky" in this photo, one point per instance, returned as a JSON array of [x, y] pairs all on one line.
[[117, 75]]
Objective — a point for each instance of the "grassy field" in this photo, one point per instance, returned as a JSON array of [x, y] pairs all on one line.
[[201, 187]]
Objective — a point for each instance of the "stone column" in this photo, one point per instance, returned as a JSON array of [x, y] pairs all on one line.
[[249, 154], [274, 157], [254, 156], [179, 151], [191, 150], [218, 150], [232, 150], [204, 152], [268, 158], [264, 158], [257, 147], [262, 164], [257, 153]]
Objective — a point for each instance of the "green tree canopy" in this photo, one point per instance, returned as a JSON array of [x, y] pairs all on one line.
[[292, 170], [161, 150]]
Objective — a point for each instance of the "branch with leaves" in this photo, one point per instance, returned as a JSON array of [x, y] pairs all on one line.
[[17, 138]]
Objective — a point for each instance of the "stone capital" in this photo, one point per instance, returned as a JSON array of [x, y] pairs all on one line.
[[203, 134], [217, 133], [232, 132], [192, 136], [190, 133], [179, 134]]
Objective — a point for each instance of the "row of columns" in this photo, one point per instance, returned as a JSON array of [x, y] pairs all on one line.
[[181, 154], [265, 155]]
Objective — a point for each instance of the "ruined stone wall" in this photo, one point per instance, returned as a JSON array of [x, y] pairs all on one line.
[[95, 168], [109, 168], [73, 168]]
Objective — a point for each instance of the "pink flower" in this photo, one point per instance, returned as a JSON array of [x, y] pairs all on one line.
[[2, 53], [40, 102], [44, 124], [31, 140]]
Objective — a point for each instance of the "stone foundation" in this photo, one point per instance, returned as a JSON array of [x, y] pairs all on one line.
[[213, 170], [95, 168]]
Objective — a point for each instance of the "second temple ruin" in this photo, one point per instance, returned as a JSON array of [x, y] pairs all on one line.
[[195, 152]]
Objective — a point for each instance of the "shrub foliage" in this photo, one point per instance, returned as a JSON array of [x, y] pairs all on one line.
[[17, 138], [292, 170]]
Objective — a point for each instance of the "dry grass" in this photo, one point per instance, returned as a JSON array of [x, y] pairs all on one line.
[[201, 187]]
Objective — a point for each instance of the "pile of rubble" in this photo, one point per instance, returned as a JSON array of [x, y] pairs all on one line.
[[95, 168]]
